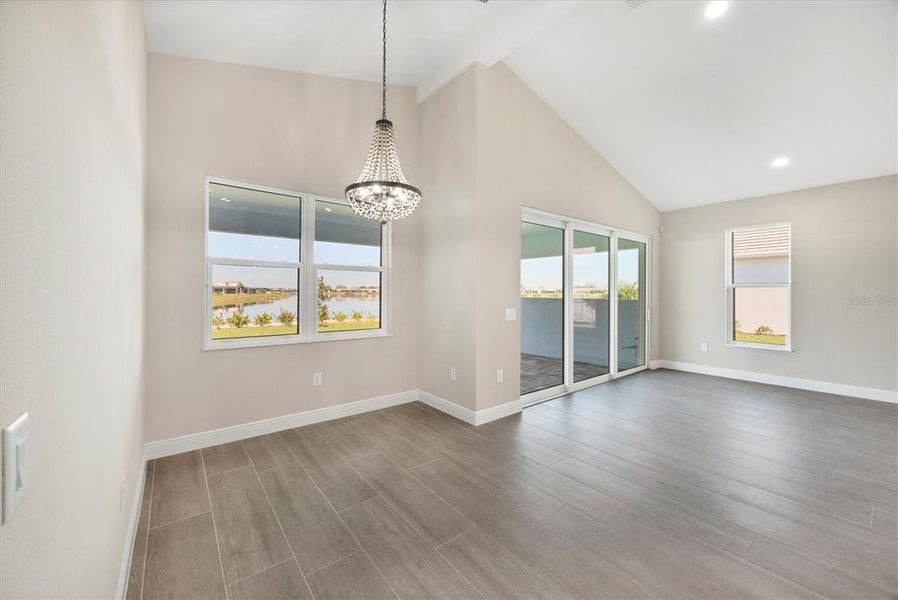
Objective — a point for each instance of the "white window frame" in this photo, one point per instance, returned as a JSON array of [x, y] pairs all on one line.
[[730, 334], [307, 300]]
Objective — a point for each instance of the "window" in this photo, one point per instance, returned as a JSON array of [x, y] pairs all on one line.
[[348, 269], [758, 280], [284, 267]]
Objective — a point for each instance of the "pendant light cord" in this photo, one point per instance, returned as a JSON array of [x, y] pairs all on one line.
[[384, 73]]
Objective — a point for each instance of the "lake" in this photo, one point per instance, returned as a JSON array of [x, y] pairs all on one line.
[[365, 304]]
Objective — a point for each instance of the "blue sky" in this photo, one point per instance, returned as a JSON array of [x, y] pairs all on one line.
[[257, 247], [535, 272]]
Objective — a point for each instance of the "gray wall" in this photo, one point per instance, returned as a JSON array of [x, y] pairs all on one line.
[[844, 283], [291, 130], [71, 262]]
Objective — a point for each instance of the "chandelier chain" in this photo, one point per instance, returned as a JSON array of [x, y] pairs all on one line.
[[384, 71]]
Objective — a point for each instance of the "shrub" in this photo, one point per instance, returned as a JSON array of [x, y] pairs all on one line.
[[238, 319], [737, 326], [262, 319], [323, 313], [218, 321], [356, 315], [286, 317], [628, 291], [340, 316], [764, 330]]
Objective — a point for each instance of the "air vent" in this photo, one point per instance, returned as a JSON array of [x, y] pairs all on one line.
[[631, 4]]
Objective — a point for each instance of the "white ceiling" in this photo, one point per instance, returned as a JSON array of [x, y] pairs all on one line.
[[429, 42], [690, 111]]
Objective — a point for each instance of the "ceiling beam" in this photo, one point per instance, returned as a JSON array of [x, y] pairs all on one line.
[[493, 50]]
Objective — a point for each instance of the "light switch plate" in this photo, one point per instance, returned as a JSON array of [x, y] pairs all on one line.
[[511, 314], [15, 465]]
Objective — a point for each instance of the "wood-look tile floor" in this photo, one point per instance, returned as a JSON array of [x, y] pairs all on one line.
[[658, 485]]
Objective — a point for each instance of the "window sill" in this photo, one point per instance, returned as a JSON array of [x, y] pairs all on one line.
[[289, 340], [753, 346]]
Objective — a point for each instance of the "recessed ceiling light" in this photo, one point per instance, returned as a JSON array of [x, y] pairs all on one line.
[[327, 209], [225, 199], [779, 162], [715, 9]]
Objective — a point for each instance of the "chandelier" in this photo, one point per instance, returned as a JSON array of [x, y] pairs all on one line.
[[382, 192]]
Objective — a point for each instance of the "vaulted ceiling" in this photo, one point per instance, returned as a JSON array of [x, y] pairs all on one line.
[[690, 110]]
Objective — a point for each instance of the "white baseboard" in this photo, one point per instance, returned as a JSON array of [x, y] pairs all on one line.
[[497, 412], [133, 519], [466, 414], [450, 408], [205, 439], [793, 382]]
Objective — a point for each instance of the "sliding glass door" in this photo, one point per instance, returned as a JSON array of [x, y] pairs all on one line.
[[591, 309], [631, 304], [584, 304], [542, 307]]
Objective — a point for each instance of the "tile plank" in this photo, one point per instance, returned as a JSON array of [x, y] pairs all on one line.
[[179, 488], [249, 536], [412, 568], [225, 457], [495, 571], [352, 578], [516, 528], [280, 582], [341, 485], [182, 561], [268, 451], [316, 533], [434, 519]]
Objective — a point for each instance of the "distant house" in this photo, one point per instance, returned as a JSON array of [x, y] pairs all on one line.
[[228, 287]]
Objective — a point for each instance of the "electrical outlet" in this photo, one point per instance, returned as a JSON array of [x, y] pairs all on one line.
[[452, 374], [500, 376], [316, 378], [511, 314], [704, 346]]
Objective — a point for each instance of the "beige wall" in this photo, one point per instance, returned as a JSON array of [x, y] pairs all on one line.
[[71, 262], [290, 130], [448, 251], [843, 246], [529, 157], [523, 154]]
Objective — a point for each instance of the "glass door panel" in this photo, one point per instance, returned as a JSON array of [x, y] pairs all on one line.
[[590, 307], [542, 307], [631, 304]]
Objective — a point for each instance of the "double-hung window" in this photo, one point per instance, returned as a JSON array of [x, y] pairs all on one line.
[[286, 267], [758, 283]]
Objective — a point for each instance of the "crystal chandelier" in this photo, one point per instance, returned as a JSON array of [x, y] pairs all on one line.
[[382, 192]]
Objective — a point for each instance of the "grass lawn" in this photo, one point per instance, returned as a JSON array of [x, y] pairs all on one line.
[[349, 325], [242, 332], [776, 339]]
